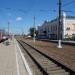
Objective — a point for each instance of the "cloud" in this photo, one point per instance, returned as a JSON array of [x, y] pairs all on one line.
[[19, 18]]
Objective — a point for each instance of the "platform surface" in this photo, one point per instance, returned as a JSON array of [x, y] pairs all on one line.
[[8, 64]]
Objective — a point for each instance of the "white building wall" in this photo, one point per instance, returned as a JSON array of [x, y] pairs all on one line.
[[70, 23], [50, 27], [64, 25]]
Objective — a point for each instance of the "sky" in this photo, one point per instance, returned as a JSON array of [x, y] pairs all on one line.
[[20, 13]]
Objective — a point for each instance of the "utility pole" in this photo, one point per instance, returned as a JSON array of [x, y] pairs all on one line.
[[59, 26], [22, 31], [8, 28], [8, 33], [34, 29]]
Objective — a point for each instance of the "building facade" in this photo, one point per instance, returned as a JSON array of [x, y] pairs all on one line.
[[49, 29]]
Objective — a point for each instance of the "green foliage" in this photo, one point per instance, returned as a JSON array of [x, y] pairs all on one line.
[[73, 37], [32, 31]]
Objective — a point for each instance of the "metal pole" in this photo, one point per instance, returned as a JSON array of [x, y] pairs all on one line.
[[8, 28], [8, 33], [22, 31], [34, 30], [59, 27]]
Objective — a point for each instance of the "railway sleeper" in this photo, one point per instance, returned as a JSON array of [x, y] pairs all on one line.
[[58, 71], [66, 73], [49, 66], [53, 69]]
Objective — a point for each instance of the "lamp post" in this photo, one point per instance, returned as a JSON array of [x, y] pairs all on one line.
[[34, 31], [59, 27], [8, 28]]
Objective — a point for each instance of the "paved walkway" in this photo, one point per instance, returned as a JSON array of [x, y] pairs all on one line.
[[11, 62], [22, 67], [8, 59]]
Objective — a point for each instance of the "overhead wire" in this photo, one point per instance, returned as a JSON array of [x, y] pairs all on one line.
[[69, 3]]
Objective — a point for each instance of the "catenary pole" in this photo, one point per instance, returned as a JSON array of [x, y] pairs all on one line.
[[8, 29], [59, 26], [34, 29]]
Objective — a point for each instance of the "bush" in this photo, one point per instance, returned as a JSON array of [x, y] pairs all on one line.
[[73, 38]]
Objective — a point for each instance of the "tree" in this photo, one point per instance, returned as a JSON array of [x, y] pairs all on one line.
[[73, 37], [32, 30]]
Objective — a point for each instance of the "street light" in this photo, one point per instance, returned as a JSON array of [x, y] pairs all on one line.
[[8, 28], [34, 31], [59, 27]]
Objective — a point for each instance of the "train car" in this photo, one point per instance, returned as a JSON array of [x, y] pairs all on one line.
[[1, 36]]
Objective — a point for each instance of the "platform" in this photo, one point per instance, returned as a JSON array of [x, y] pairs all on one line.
[[11, 62], [8, 65]]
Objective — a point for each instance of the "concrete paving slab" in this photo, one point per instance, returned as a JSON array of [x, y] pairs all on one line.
[[8, 59]]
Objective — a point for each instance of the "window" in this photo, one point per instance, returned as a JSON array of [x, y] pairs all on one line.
[[73, 26], [68, 28], [73, 34], [51, 28]]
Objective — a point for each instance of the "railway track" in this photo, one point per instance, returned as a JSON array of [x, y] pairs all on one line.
[[45, 64]]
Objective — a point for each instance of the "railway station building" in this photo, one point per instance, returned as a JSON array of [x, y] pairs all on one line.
[[49, 29]]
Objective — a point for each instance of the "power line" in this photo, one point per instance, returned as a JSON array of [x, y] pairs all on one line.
[[69, 11], [48, 10], [69, 3], [57, 11], [20, 10]]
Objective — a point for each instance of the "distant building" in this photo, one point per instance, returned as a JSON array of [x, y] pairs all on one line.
[[49, 29], [2, 33]]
